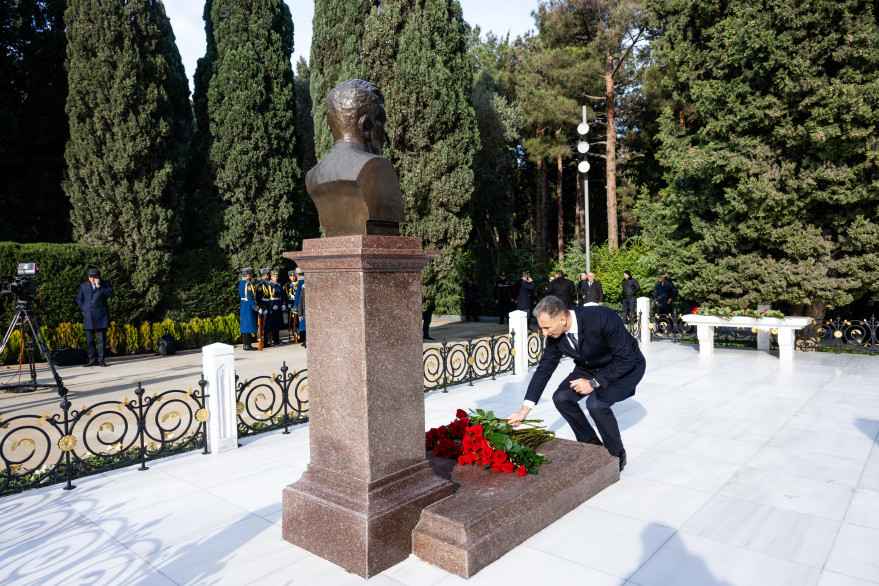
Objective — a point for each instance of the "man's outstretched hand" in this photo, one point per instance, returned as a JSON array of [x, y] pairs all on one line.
[[516, 418]]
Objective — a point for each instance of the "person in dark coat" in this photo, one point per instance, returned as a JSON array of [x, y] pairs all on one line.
[[526, 291], [630, 292], [471, 300], [249, 308], [608, 365], [589, 291], [563, 288], [664, 294], [503, 298], [276, 313], [300, 309], [92, 300], [263, 299]]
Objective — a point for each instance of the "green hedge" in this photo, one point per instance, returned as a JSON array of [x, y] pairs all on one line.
[[125, 339]]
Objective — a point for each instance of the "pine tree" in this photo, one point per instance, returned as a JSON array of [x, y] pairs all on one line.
[[33, 125], [249, 129], [416, 52], [771, 153], [337, 31], [130, 124]]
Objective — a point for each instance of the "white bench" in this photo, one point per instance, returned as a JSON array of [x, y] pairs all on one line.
[[783, 327]]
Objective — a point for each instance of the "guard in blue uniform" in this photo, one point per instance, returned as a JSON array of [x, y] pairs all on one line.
[[277, 309], [290, 294], [263, 299], [249, 308]]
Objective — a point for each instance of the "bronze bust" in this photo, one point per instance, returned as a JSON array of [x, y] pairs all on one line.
[[355, 190]]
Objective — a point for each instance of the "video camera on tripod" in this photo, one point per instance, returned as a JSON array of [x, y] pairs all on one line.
[[25, 288], [25, 285]]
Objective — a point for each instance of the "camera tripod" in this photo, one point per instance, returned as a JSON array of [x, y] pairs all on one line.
[[24, 314]]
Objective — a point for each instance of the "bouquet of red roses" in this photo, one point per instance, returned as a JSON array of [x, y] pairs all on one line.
[[482, 439]]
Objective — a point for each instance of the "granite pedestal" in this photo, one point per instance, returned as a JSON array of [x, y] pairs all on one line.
[[368, 479], [492, 512]]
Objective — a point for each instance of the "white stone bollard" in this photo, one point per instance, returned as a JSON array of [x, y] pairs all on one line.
[[642, 306], [218, 361], [519, 324], [763, 335]]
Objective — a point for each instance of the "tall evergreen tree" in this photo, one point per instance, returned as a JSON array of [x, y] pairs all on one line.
[[337, 32], [249, 128], [130, 125], [33, 125], [771, 153], [416, 52]]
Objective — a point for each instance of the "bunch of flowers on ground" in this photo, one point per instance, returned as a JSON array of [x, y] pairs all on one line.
[[482, 439], [726, 312]]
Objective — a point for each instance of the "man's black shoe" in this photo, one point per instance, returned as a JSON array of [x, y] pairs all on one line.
[[102, 363], [92, 363], [249, 348], [622, 457], [595, 442], [429, 339]]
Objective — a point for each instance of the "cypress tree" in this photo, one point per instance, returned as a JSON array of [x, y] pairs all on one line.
[[130, 124], [33, 125], [771, 152], [337, 31], [251, 131], [416, 52]]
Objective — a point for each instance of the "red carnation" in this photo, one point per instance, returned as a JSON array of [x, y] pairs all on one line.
[[466, 422], [460, 414], [521, 471], [508, 466], [499, 457]]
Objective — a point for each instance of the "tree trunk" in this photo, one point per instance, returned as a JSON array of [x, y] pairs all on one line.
[[544, 218], [816, 310], [558, 190], [612, 235], [540, 236]]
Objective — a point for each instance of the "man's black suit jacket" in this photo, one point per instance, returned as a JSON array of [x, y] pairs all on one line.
[[608, 353], [93, 304]]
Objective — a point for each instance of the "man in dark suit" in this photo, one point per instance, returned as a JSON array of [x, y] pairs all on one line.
[[607, 366], [92, 300], [562, 287]]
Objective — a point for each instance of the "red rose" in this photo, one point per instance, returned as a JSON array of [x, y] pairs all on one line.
[[462, 460], [468, 429], [477, 429], [441, 432], [497, 467], [499, 457], [468, 443], [466, 421], [521, 471], [508, 466], [460, 414]]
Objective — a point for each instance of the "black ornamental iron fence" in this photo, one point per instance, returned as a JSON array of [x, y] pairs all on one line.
[[840, 335], [266, 403], [40, 450], [536, 345], [633, 324], [450, 364]]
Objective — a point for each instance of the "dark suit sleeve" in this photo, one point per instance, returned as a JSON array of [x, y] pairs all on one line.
[[600, 293], [106, 289], [619, 341], [547, 365]]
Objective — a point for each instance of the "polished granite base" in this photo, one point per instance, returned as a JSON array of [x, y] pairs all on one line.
[[491, 512]]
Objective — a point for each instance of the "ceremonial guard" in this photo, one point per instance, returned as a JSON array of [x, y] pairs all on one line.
[[276, 312], [249, 309], [300, 308], [291, 295], [263, 299]]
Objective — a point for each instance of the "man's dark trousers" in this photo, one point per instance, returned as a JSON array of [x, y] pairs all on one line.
[[629, 308], [95, 354]]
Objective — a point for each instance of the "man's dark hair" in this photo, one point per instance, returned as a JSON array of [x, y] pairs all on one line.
[[559, 274], [349, 102], [552, 306]]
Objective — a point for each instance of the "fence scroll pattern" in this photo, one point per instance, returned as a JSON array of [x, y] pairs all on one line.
[[272, 402], [841, 335], [39, 450], [457, 363]]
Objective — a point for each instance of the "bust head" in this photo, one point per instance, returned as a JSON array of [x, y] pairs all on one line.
[[356, 113]]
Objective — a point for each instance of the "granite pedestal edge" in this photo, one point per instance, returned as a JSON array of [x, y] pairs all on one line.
[[368, 479], [491, 513]]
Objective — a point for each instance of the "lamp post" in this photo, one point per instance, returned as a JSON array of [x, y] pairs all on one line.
[[583, 167]]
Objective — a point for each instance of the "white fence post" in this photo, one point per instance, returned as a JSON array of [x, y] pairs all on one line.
[[519, 324], [643, 308], [763, 335], [218, 361]]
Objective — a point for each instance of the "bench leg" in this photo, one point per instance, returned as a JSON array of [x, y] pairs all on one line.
[[785, 344], [705, 334]]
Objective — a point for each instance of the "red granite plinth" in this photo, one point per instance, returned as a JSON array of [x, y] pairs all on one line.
[[491, 512], [368, 478]]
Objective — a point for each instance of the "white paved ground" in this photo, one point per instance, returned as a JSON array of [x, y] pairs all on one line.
[[741, 472]]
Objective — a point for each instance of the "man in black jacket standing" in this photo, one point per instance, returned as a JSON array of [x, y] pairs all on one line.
[[630, 290], [503, 298], [525, 295], [92, 300], [590, 291], [608, 365], [563, 288]]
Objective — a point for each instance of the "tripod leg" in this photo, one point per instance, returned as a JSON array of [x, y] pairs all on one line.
[[44, 348], [11, 329]]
